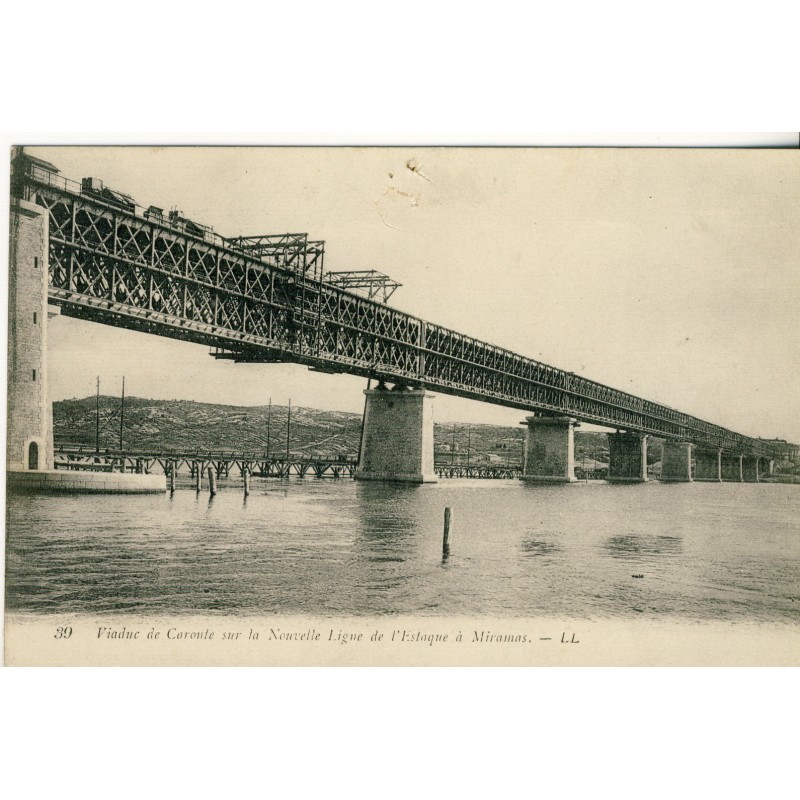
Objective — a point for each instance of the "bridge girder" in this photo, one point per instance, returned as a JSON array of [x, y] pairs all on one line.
[[115, 265]]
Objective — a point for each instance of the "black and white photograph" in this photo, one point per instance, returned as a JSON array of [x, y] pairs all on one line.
[[403, 406]]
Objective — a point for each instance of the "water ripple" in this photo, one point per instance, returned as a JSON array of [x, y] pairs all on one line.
[[337, 547]]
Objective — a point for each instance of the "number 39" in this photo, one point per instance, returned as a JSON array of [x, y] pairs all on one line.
[[63, 633]]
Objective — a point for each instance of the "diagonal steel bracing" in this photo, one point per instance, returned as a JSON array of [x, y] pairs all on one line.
[[265, 299]]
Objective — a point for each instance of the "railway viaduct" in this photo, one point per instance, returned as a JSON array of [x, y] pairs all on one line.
[[95, 254]]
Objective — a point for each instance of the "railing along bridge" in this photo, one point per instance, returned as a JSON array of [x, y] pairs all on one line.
[[268, 299], [225, 463]]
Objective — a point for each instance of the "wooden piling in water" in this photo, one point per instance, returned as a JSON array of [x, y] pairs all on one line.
[[172, 471], [212, 480], [246, 480], [446, 535], [198, 477]]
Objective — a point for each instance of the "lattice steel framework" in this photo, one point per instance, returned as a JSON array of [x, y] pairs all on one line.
[[368, 282], [258, 300]]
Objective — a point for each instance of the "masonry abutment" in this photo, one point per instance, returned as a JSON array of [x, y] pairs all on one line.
[[29, 443], [398, 437], [549, 455], [30, 462]]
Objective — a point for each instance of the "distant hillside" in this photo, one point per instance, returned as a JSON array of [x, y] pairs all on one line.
[[187, 425], [183, 424]]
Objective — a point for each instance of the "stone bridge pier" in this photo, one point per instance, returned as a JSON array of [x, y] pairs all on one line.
[[549, 455], [397, 442], [676, 462], [732, 467], [627, 457], [751, 469], [708, 465]]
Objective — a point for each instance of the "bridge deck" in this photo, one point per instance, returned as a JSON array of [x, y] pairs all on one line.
[[114, 263], [85, 457], [223, 462]]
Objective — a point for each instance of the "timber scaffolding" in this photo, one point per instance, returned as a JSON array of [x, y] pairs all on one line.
[[265, 299]]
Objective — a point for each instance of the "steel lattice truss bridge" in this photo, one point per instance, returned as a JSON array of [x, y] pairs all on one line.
[[268, 299]]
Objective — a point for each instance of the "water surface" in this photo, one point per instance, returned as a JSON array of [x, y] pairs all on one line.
[[337, 547]]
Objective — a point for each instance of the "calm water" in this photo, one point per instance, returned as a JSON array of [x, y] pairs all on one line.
[[704, 551]]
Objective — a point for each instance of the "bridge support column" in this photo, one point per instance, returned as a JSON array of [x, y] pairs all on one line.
[[676, 462], [750, 469], [397, 444], [708, 465], [627, 457], [29, 443], [549, 455], [731, 467]]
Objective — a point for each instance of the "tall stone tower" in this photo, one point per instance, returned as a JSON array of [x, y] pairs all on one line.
[[29, 444]]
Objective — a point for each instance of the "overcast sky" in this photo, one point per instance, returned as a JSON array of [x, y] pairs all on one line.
[[672, 274]]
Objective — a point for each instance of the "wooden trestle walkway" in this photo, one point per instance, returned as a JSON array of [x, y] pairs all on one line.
[[222, 462], [263, 465], [476, 471]]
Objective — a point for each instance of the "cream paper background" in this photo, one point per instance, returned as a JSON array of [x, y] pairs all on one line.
[[32, 640], [756, 299], [451, 77]]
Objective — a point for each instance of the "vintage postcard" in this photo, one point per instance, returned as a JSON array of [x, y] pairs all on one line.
[[403, 406]]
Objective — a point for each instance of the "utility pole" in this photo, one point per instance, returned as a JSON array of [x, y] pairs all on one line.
[[97, 418], [288, 431], [269, 422], [583, 462], [122, 414]]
